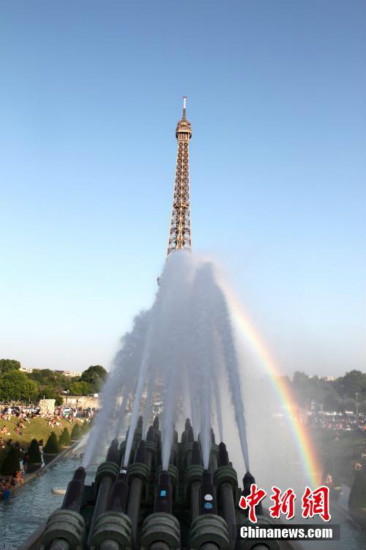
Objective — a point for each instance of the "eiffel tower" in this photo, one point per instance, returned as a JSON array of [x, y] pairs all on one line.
[[180, 225]]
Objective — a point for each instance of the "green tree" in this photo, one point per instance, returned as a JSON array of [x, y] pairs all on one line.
[[64, 440], [80, 388], [48, 392], [95, 376], [309, 389], [34, 453], [7, 365], [332, 401], [351, 383], [349, 404], [11, 463], [357, 496], [50, 381], [76, 432], [16, 386], [52, 446], [85, 427]]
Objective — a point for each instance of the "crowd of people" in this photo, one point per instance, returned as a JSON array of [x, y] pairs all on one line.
[[26, 413], [22, 413], [9, 482], [21, 416], [343, 422]]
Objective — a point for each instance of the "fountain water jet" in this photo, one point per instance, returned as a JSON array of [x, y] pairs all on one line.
[[181, 350]]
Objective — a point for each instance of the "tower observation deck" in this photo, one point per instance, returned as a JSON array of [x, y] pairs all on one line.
[[180, 225]]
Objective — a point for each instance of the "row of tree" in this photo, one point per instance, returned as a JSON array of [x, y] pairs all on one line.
[[16, 385], [347, 392], [53, 447]]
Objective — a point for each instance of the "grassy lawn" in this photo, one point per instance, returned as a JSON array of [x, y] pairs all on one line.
[[341, 450], [37, 428]]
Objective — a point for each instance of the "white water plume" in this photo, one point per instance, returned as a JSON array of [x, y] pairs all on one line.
[[183, 354], [123, 376]]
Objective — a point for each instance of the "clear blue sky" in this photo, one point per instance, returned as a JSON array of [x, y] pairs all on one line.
[[90, 93]]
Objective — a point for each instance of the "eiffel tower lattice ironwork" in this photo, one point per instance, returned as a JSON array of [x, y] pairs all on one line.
[[180, 226]]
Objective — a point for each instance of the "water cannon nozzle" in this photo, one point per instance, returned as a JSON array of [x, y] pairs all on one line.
[[190, 435], [150, 436], [196, 454], [112, 454], [223, 455], [164, 490], [79, 474], [140, 455], [207, 494], [119, 496], [248, 481], [74, 492]]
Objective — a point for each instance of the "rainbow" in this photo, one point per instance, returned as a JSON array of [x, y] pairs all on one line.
[[302, 438]]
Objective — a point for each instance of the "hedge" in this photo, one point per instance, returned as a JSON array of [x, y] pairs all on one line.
[[34, 453], [11, 463], [52, 446], [64, 440]]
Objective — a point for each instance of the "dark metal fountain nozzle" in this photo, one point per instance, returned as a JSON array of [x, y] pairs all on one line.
[[150, 436], [196, 454], [119, 496], [112, 454], [248, 481], [140, 422], [213, 437], [187, 427], [187, 424], [79, 474], [74, 493], [223, 455], [190, 436], [208, 503], [65, 528], [140, 455], [164, 494], [156, 423]]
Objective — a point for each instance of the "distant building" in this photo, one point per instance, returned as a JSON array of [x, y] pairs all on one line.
[[47, 406], [26, 369], [69, 373], [83, 401]]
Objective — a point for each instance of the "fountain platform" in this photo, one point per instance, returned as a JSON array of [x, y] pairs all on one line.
[[141, 506]]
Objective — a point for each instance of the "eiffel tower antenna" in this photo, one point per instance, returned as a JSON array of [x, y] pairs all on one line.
[[180, 225]]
